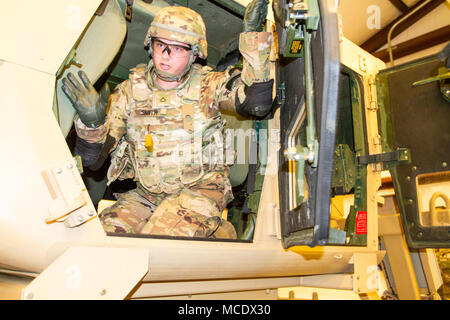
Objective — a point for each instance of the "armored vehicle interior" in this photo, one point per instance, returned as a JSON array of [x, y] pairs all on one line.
[[320, 103]]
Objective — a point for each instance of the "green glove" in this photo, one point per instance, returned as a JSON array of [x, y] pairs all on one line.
[[255, 15], [90, 106]]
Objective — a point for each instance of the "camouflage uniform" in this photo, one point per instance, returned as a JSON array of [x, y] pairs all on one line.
[[170, 141]]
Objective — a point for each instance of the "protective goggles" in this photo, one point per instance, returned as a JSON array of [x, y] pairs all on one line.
[[173, 50]]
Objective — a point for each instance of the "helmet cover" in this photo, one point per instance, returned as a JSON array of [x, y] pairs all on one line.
[[180, 24]]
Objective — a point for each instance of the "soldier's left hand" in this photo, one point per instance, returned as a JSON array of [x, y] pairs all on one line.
[[255, 16], [90, 105]]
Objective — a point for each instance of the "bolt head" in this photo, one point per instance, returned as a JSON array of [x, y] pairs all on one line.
[[29, 296]]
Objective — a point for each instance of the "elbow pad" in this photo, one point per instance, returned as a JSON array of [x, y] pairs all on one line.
[[258, 100]]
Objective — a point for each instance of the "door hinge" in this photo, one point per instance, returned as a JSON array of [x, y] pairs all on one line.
[[372, 94]]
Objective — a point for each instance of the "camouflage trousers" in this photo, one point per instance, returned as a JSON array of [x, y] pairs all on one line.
[[194, 211]]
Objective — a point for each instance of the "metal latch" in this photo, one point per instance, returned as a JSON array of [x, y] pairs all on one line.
[[293, 15], [442, 76], [389, 159], [69, 198], [305, 10], [281, 94]]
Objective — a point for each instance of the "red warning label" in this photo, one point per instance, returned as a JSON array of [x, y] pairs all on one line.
[[361, 222]]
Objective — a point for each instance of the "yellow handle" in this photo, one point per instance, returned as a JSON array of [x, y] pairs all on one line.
[[149, 143]]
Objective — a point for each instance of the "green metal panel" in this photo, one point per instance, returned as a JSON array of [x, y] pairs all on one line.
[[360, 202], [416, 118]]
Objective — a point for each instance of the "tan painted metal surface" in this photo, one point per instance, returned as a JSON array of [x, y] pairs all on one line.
[[90, 273], [37, 145]]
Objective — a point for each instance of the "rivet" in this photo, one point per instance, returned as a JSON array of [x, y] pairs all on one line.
[[58, 170], [69, 166], [444, 164], [80, 218], [408, 178], [103, 292], [414, 168], [29, 296], [91, 213]]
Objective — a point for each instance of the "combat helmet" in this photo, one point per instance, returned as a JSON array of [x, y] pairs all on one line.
[[179, 24]]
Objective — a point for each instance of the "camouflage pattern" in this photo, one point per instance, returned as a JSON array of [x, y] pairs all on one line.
[[129, 214], [255, 47], [181, 132], [182, 180], [193, 212], [180, 24]]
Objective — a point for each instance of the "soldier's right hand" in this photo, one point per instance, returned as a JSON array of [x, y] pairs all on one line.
[[90, 105]]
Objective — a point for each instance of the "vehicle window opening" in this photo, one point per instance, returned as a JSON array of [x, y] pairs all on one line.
[[241, 212], [433, 197]]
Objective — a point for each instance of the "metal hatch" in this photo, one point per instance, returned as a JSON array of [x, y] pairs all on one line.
[[414, 113], [308, 74]]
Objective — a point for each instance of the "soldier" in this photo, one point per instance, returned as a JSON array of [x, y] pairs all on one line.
[[164, 126]]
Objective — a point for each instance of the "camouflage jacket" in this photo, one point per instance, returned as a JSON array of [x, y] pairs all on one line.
[[163, 138]]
